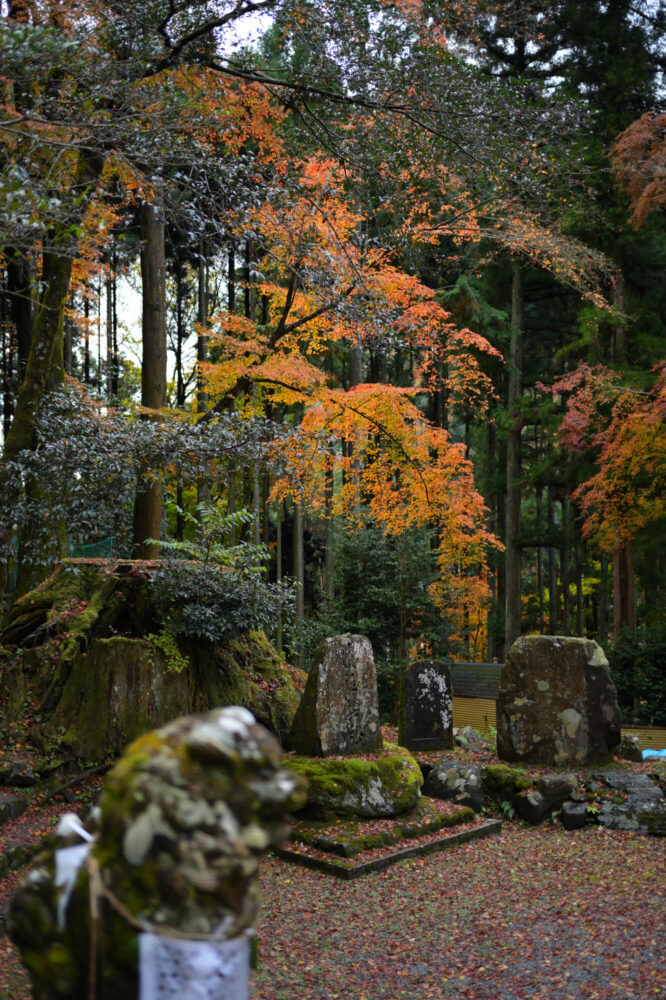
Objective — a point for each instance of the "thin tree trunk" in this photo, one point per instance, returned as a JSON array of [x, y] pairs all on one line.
[[623, 589], [602, 612], [552, 567], [299, 564], [564, 572], [278, 572], [148, 501], [513, 486]]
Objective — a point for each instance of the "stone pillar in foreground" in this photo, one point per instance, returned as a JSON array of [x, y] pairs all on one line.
[[160, 901]]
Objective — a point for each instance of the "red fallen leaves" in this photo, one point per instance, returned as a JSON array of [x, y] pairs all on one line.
[[535, 913]]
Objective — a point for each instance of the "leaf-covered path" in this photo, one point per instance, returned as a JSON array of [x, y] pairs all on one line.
[[534, 913]]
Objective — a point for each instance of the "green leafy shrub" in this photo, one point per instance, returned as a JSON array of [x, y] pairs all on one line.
[[638, 667], [214, 591]]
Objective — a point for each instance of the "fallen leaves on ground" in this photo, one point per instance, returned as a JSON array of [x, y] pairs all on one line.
[[533, 913]]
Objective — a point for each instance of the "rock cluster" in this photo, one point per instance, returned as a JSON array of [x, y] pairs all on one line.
[[185, 817], [557, 703], [339, 712]]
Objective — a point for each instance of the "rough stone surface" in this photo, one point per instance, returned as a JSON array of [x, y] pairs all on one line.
[[630, 749], [11, 806], [339, 712], [557, 703], [631, 802], [467, 737], [573, 815], [80, 644], [18, 774], [185, 818], [455, 782], [387, 785], [426, 713]]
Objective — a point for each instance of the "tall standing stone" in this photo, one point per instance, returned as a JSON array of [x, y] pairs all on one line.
[[426, 713], [557, 703], [339, 712]]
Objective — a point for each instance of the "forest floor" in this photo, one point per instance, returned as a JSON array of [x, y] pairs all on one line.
[[534, 912]]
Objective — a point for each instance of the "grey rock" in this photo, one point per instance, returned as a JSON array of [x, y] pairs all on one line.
[[557, 703], [339, 712], [532, 807], [630, 749], [573, 815], [19, 775], [552, 790], [11, 806], [641, 807], [557, 788], [467, 737], [455, 782]]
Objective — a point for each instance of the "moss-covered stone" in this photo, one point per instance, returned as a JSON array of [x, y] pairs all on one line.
[[186, 816], [502, 783], [387, 784], [82, 646]]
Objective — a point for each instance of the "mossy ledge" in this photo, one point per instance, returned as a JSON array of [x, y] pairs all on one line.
[[80, 650], [387, 784]]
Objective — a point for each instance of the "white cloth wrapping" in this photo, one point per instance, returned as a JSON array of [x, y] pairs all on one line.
[[179, 969], [68, 862]]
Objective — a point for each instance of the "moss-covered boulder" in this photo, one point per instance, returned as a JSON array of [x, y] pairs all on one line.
[[186, 815], [89, 652], [386, 784]]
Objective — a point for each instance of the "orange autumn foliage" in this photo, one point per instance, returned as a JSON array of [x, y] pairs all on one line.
[[639, 159], [625, 429]]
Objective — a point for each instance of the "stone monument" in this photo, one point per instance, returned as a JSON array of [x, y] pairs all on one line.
[[158, 902], [426, 712], [339, 712], [557, 703]]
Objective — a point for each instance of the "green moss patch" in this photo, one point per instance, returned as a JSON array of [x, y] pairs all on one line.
[[386, 784], [349, 838]]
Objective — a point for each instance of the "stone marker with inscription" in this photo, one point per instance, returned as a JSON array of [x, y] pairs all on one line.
[[339, 712], [426, 715]]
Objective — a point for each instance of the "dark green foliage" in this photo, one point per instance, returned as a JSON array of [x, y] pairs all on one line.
[[209, 590], [379, 590], [638, 667]]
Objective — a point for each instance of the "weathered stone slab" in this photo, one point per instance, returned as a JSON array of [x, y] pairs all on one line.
[[426, 715], [557, 703], [339, 713]]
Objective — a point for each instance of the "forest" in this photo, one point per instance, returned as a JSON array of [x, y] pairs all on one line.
[[351, 314]]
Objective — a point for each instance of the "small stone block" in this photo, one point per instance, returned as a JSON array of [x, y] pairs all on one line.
[[573, 815]]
